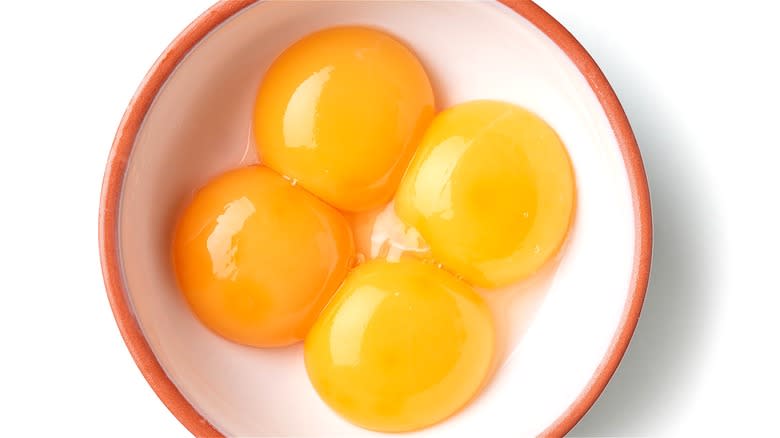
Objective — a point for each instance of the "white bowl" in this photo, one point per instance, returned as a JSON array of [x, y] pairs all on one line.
[[190, 121]]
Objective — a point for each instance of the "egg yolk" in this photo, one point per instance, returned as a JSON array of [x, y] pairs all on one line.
[[491, 190], [401, 346], [341, 111], [257, 258]]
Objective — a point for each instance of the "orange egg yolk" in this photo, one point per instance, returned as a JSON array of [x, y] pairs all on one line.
[[341, 111], [491, 190], [257, 258], [401, 346]]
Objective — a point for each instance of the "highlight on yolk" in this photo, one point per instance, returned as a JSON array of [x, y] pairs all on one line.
[[491, 190], [341, 111], [257, 258], [401, 346]]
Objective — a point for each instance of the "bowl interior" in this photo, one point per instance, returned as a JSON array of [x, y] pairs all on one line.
[[198, 126]]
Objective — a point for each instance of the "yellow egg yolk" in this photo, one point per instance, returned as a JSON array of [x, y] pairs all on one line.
[[491, 190], [341, 111], [401, 346], [257, 259]]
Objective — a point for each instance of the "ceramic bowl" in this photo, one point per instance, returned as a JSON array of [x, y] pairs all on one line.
[[190, 121]]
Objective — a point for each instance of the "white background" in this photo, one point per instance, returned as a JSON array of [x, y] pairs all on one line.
[[699, 82]]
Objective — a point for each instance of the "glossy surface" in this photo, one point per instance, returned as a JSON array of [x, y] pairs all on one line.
[[342, 111], [491, 190], [401, 346], [257, 258]]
